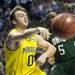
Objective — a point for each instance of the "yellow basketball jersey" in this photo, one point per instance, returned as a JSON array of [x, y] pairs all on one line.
[[21, 61]]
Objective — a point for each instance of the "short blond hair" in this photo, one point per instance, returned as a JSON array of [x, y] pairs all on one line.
[[12, 12]]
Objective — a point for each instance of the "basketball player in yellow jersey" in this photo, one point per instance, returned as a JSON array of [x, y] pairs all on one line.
[[21, 44]]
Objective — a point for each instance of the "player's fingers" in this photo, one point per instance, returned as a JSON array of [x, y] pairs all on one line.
[[48, 34], [38, 63], [51, 60], [44, 33]]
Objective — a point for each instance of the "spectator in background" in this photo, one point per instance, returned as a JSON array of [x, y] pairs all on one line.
[[1, 59], [23, 3], [43, 8]]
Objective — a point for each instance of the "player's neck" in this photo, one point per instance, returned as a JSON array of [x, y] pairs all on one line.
[[21, 28]]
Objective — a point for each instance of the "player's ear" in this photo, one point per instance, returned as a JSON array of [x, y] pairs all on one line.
[[14, 22]]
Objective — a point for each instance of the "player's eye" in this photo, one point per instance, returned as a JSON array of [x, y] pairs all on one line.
[[21, 16]]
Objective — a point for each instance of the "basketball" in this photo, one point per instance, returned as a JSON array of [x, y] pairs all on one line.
[[63, 25]]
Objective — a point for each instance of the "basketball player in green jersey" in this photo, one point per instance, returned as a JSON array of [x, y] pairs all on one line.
[[65, 55]]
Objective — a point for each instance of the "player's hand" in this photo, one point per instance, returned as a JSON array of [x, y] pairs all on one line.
[[44, 32], [51, 60], [41, 60]]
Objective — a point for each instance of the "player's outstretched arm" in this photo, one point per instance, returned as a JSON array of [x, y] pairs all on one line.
[[27, 33]]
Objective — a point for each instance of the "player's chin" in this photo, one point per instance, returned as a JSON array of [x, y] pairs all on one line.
[[25, 24]]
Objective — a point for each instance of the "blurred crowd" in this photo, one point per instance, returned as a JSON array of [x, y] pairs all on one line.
[[37, 11]]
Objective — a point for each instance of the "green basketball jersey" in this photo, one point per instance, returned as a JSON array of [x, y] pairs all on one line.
[[65, 48]]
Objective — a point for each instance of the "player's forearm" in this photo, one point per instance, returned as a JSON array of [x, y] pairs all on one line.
[[50, 52], [30, 32], [26, 34]]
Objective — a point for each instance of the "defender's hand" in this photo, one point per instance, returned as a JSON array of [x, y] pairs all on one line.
[[44, 32]]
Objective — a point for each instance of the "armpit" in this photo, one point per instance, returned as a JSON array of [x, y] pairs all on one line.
[[11, 45]]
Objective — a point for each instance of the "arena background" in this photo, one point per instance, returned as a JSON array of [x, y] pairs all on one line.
[[37, 10]]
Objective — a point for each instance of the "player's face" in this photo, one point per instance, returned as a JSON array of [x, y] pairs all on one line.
[[21, 18]]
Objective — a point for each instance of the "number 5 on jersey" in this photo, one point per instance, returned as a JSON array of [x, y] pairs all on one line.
[[61, 49]]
